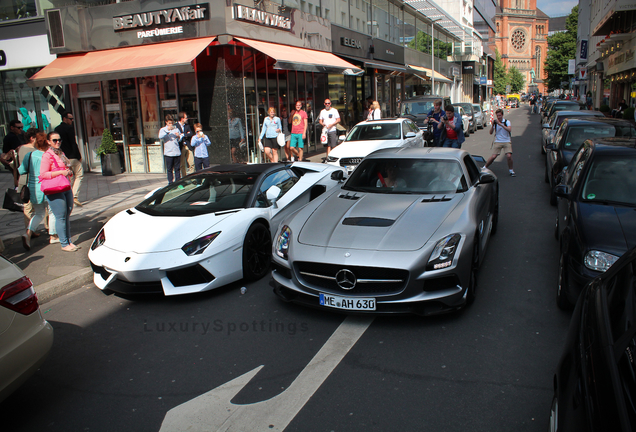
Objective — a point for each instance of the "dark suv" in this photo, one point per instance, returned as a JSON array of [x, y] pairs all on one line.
[[468, 108], [417, 108]]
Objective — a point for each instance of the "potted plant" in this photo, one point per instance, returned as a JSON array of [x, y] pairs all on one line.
[[109, 155], [605, 109]]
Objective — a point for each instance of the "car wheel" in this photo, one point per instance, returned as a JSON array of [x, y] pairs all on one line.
[[472, 284], [495, 216], [562, 299], [467, 131], [257, 251]]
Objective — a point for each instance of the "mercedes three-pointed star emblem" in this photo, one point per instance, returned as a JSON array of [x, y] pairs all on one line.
[[346, 279]]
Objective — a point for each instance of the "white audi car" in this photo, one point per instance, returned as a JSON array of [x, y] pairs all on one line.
[[206, 230], [371, 135]]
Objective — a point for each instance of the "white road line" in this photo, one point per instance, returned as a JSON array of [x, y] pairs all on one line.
[[213, 410]]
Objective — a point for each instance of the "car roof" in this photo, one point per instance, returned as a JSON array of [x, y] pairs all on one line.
[[418, 153], [609, 143], [596, 120], [257, 169], [578, 113], [384, 120]]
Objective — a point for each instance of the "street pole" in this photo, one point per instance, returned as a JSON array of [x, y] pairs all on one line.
[[433, 21]]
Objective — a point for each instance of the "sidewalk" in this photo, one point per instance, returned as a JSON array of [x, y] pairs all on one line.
[[55, 272]]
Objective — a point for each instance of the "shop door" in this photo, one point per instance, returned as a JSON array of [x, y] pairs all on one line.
[[93, 121]]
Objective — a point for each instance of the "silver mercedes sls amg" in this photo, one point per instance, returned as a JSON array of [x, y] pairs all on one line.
[[406, 233]]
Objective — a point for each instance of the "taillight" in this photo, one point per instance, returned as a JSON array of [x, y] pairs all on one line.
[[19, 296]]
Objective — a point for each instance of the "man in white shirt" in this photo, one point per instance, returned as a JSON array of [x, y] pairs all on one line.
[[503, 131], [329, 118]]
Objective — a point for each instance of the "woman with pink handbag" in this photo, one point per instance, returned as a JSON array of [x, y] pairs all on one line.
[[56, 185]]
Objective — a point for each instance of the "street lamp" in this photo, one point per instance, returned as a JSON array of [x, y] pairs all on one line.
[[433, 21]]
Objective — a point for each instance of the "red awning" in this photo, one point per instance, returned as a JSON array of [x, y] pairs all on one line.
[[121, 63], [302, 59]]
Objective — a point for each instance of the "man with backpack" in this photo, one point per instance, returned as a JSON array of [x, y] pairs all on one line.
[[503, 131]]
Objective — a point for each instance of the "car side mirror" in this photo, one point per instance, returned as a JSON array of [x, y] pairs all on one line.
[[337, 176], [486, 177], [342, 137], [551, 146], [410, 135], [562, 191], [272, 195], [546, 125]]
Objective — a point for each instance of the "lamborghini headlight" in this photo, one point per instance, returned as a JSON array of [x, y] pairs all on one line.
[[282, 242], [196, 247], [100, 239], [444, 252], [599, 261]]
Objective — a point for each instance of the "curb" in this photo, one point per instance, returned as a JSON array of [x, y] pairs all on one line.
[[63, 285]]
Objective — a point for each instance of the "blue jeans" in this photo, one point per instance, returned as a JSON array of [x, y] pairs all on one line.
[[61, 205], [437, 141], [451, 143], [173, 163], [200, 163]]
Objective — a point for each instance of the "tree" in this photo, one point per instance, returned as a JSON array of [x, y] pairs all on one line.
[[515, 79], [561, 48], [108, 145], [500, 76]]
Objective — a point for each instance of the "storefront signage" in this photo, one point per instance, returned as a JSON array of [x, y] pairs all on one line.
[[350, 42], [112, 107], [257, 16], [161, 17], [388, 52], [583, 55], [454, 71], [170, 103], [468, 68]]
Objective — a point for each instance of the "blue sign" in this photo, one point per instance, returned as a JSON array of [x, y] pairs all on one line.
[[583, 50], [483, 80]]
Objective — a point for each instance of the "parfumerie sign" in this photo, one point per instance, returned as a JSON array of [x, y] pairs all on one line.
[[160, 18], [257, 16]]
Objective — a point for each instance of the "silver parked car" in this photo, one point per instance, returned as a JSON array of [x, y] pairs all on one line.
[[480, 116], [406, 233]]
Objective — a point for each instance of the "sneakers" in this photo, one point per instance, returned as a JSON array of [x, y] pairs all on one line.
[[512, 174], [54, 239]]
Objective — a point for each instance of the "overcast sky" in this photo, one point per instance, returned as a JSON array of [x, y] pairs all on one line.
[[556, 7]]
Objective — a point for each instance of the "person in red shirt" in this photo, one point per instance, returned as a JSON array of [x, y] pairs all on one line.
[[298, 130], [452, 129]]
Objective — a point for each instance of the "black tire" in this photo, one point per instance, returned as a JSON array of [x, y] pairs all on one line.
[[495, 216], [257, 252], [562, 285], [472, 284]]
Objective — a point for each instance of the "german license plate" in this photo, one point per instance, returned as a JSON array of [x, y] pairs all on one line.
[[347, 303]]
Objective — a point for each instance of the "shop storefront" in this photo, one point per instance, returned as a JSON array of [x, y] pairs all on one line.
[[137, 64], [34, 107]]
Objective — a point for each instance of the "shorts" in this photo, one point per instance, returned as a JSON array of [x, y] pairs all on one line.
[[270, 142], [235, 142], [297, 141], [499, 146], [332, 139]]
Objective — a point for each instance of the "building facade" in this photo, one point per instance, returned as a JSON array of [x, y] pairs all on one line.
[[522, 40]]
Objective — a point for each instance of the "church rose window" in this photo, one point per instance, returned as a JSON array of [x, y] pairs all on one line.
[[518, 40]]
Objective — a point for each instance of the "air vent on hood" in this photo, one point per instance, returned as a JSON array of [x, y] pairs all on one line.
[[368, 221], [130, 212], [349, 196], [437, 199]]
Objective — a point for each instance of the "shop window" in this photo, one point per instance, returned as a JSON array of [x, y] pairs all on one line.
[[188, 96], [18, 10]]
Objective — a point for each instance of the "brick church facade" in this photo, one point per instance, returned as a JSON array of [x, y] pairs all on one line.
[[522, 33]]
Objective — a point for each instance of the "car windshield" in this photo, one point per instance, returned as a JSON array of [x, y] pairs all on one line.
[[610, 179], [569, 107], [408, 176], [200, 194], [577, 135], [374, 131], [468, 108], [477, 108], [416, 107]]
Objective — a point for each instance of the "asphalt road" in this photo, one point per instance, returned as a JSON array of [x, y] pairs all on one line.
[[121, 364]]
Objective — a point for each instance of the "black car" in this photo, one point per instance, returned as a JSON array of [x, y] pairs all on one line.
[[570, 136], [559, 105], [595, 382], [417, 109], [596, 212], [468, 109]]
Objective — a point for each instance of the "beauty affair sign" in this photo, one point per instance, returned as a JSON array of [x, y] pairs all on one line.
[[157, 23], [257, 16]]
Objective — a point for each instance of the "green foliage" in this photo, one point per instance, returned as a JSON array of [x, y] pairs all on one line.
[[561, 48], [422, 43], [628, 114], [500, 75], [516, 80], [604, 108], [108, 145]]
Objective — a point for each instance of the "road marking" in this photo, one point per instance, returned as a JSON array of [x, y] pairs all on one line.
[[214, 411]]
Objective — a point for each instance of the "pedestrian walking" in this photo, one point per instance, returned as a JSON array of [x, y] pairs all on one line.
[[270, 130], [329, 119], [170, 136], [30, 169], [503, 131], [237, 135], [53, 165], [434, 117], [284, 121], [187, 155], [200, 143], [66, 131], [298, 131], [22, 152], [375, 113]]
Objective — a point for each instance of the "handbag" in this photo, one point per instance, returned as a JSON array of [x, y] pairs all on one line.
[[12, 201], [280, 139], [56, 184], [323, 136], [25, 192]]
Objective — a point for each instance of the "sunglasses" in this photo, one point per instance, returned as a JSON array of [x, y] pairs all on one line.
[[327, 103], [56, 140]]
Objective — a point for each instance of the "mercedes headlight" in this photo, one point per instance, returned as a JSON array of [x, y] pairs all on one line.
[[599, 261], [196, 247], [282, 242], [444, 252]]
